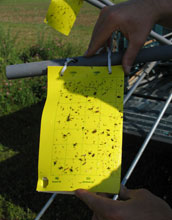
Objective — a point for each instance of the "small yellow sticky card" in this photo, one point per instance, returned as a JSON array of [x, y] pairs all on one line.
[[62, 14], [81, 130]]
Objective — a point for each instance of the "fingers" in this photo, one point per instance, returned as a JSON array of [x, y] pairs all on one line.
[[102, 32], [106, 195], [100, 205], [126, 194], [92, 200], [104, 28], [122, 17], [131, 53]]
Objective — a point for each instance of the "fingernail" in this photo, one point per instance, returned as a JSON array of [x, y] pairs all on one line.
[[127, 69], [79, 192]]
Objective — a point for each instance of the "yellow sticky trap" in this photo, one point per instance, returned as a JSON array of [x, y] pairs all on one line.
[[81, 130], [62, 14]]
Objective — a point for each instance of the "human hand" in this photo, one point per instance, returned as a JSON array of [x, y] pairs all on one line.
[[134, 19], [134, 205]]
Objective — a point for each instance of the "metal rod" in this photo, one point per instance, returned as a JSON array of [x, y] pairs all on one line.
[[146, 70], [168, 35], [96, 3], [107, 2], [160, 38], [143, 147], [48, 203], [133, 88], [157, 53]]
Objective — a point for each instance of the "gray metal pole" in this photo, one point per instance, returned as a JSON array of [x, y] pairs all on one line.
[[146, 70], [143, 147], [96, 3], [48, 203], [40, 68], [107, 2], [129, 94], [160, 38]]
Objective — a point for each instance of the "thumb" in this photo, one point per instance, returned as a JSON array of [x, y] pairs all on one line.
[[130, 54], [98, 204], [89, 198], [126, 194]]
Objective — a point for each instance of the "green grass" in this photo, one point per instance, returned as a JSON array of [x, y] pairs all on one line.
[[11, 211], [25, 38], [6, 153], [26, 17]]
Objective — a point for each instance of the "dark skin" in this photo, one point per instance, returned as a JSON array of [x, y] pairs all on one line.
[[135, 20], [133, 205]]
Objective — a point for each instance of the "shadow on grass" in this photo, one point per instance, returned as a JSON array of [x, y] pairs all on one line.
[[18, 174]]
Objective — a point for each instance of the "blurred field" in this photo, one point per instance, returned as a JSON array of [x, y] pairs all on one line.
[[25, 38], [26, 18]]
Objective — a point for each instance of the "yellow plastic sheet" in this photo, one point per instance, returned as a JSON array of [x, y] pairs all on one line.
[[81, 130], [62, 14]]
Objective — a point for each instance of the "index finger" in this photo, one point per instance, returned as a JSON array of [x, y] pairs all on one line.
[[100, 205], [101, 33]]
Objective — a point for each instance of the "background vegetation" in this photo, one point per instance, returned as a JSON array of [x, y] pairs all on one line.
[[25, 38]]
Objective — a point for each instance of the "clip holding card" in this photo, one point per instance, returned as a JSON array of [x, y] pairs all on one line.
[[68, 60], [109, 60], [109, 51]]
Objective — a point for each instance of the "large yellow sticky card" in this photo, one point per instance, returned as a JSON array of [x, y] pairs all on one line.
[[62, 14], [81, 130]]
